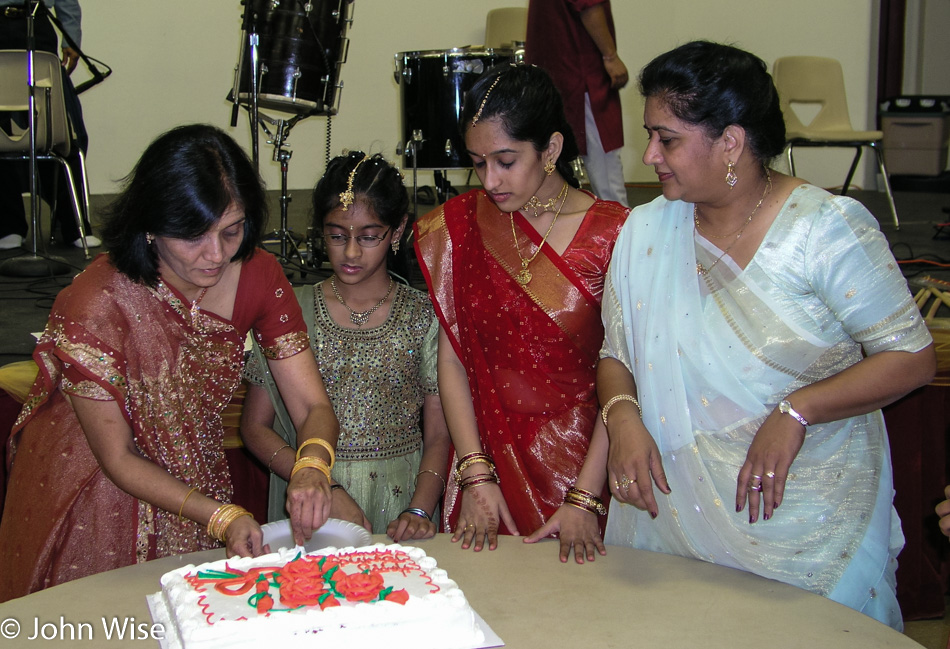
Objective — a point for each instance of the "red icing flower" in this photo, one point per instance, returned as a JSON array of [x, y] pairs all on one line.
[[398, 596], [360, 586], [264, 603], [302, 583]]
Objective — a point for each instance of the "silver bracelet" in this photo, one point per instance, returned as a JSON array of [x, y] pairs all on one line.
[[417, 511]]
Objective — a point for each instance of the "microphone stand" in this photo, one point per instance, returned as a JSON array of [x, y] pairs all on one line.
[[34, 265]]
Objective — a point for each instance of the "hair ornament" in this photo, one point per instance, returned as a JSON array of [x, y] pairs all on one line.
[[481, 106], [346, 198]]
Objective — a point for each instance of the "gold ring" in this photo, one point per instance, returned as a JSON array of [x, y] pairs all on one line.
[[625, 482], [770, 474], [617, 484]]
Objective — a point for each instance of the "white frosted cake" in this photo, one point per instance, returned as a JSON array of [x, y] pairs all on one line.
[[381, 595]]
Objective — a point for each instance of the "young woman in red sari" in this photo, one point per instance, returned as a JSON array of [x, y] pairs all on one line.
[[117, 456], [516, 272]]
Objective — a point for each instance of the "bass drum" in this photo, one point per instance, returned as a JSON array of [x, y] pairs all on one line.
[[432, 85], [301, 48]]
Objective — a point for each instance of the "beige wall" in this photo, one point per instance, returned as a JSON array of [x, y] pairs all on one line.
[[173, 63]]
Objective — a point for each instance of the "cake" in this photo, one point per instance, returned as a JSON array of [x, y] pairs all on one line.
[[381, 595]]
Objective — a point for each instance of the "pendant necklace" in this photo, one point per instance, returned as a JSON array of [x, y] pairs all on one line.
[[702, 270], [359, 318], [524, 275]]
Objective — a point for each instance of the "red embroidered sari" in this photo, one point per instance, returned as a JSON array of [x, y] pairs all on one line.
[[530, 352], [172, 371]]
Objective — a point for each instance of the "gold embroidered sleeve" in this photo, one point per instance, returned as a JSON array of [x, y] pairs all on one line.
[[287, 345]]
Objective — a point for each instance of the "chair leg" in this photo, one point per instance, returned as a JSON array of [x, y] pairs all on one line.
[[879, 152], [77, 210], [854, 165]]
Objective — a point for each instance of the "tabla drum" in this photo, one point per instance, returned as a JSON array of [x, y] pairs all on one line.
[[432, 85], [302, 45]]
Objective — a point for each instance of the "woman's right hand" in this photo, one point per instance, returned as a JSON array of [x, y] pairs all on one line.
[[483, 508], [308, 503], [343, 506], [633, 465]]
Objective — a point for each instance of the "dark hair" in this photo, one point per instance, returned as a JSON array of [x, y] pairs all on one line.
[[529, 107], [183, 183], [376, 182], [713, 85]]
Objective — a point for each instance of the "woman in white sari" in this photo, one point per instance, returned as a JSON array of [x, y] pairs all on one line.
[[761, 323]]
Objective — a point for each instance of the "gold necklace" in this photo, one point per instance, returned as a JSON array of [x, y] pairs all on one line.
[[534, 203], [524, 275], [359, 318], [702, 270]]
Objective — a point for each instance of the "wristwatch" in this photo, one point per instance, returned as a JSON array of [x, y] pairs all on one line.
[[785, 408]]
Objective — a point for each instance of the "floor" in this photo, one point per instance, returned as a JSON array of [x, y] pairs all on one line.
[[26, 301]]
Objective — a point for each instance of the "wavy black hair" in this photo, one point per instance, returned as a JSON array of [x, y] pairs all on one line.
[[529, 107], [712, 85], [184, 182]]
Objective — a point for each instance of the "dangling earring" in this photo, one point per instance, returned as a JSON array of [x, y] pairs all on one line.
[[395, 245], [549, 167], [731, 177], [149, 238]]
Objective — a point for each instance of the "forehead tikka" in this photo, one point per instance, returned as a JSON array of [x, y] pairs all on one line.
[[346, 198], [481, 106]]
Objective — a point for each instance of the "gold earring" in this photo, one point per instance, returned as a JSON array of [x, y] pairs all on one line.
[[149, 238], [549, 167], [731, 177], [395, 245]]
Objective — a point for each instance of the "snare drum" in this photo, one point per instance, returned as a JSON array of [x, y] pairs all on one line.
[[432, 85], [301, 48]]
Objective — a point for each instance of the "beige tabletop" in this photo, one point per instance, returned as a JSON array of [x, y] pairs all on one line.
[[630, 598]]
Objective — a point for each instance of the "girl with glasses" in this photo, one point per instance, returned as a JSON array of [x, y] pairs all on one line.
[[375, 340]]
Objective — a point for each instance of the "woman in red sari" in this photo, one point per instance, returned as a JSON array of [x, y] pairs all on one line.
[[117, 456], [516, 272]]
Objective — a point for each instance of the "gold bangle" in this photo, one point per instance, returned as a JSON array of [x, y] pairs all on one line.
[[187, 495], [311, 462], [586, 500], [416, 483], [322, 442], [619, 397], [471, 460], [222, 518], [271, 460]]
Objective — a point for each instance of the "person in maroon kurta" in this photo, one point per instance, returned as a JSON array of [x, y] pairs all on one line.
[[575, 42]]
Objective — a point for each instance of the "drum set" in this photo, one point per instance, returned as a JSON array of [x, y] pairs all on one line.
[[432, 86], [289, 61]]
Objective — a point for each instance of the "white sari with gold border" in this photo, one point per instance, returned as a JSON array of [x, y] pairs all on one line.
[[712, 356]]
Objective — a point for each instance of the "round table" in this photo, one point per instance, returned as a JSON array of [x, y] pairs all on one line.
[[530, 599]]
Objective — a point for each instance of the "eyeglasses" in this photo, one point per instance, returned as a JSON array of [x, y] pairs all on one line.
[[363, 240]]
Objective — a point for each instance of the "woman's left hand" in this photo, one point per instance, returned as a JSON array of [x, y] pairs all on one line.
[[244, 538], [410, 526], [308, 503], [576, 529], [773, 449]]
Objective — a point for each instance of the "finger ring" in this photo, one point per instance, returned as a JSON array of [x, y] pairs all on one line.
[[468, 527], [617, 484], [770, 474], [625, 481], [755, 487], [756, 477]]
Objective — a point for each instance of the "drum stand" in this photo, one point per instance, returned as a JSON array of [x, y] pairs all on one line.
[[33, 265], [289, 242]]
